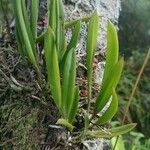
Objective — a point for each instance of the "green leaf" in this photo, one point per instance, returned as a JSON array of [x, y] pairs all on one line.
[[75, 36], [90, 48], [70, 24], [73, 41], [91, 44], [20, 44], [74, 106], [24, 32], [68, 82], [120, 144], [34, 7], [111, 111], [86, 122], [60, 29], [52, 14], [112, 50], [109, 133], [52, 66], [27, 24], [56, 22], [65, 123], [107, 87]]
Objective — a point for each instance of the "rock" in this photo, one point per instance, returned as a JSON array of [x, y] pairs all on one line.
[[107, 9]]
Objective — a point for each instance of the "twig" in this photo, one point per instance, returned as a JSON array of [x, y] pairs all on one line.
[[133, 92], [135, 86]]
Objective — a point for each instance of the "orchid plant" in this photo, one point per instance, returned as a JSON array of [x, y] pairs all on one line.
[[61, 64]]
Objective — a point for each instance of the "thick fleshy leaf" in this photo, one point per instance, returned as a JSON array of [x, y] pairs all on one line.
[[111, 111], [107, 88], [109, 133], [112, 49], [74, 106], [65, 123], [34, 7], [68, 82], [52, 66]]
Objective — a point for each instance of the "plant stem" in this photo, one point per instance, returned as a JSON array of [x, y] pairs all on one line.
[[133, 92]]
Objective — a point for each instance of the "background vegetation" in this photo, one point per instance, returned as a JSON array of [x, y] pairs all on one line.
[[134, 38]]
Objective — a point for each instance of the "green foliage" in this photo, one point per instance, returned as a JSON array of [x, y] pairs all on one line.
[[139, 109], [75, 36], [68, 82], [134, 24], [112, 70], [111, 111], [52, 66], [74, 107], [91, 46], [112, 50], [109, 133], [34, 17], [24, 32], [60, 60], [120, 144]]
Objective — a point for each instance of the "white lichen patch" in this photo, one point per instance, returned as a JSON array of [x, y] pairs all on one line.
[[95, 144]]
